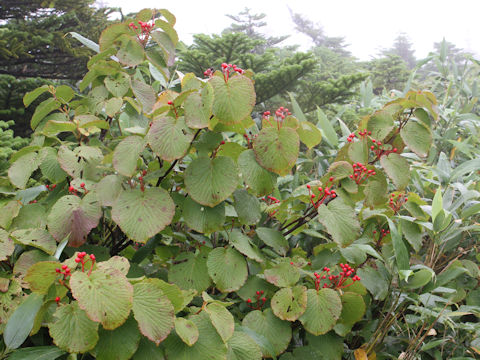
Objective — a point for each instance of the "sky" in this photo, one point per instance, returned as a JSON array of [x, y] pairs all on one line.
[[368, 26]]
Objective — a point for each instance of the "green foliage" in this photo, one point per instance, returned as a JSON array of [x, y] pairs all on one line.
[[344, 250]]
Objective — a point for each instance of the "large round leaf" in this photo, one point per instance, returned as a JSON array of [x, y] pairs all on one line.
[[22, 169], [276, 332], [323, 310], [243, 244], [397, 169], [417, 136], [142, 214], [74, 217], [203, 219], [118, 344], [208, 346], [39, 238], [290, 303], [234, 99], [277, 149], [242, 347], [126, 154], [190, 271], [309, 134], [198, 107], [82, 162], [353, 308], [105, 295], [227, 268], [108, 189], [152, 310], [282, 275], [72, 330], [169, 138], [261, 181], [210, 181], [42, 275], [221, 319], [340, 221], [187, 330]]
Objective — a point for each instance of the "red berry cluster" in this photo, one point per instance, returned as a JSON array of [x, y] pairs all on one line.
[[260, 301], [174, 108], [142, 182], [226, 68], [51, 187], [336, 281], [324, 193], [81, 260], [66, 272], [379, 150], [146, 28], [74, 191], [270, 200], [396, 202], [280, 114], [209, 72], [361, 173], [362, 134], [249, 139], [383, 233]]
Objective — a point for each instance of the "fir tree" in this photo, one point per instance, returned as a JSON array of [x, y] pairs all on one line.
[[403, 48]]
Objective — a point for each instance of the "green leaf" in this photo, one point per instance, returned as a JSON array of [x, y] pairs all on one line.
[[34, 94], [118, 344], [413, 233], [417, 137], [190, 271], [110, 35], [221, 319], [247, 207], [143, 214], [50, 167], [105, 295], [309, 134], [437, 204], [131, 53], [174, 294], [358, 151], [227, 268], [117, 263], [380, 124], [290, 303], [375, 281], [41, 276], [203, 219], [242, 243], [72, 330], [397, 169], [353, 308], [108, 189], [153, 310], [53, 127], [465, 168], [282, 275], [261, 181], [327, 128], [64, 93], [87, 42], [21, 321], [325, 347], [234, 100], [340, 170], [169, 138], [210, 181], [274, 239], [277, 333], [198, 108], [340, 221], [42, 110], [21, 170], [208, 346], [376, 190], [8, 212], [400, 249], [37, 353], [419, 278], [82, 162], [74, 217], [39, 238], [6, 245], [126, 154], [277, 149], [243, 347], [186, 330], [145, 94], [323, 310], [118, 85]]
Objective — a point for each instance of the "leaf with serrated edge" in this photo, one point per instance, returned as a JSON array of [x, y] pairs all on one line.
[[152, 310], [39, 238], [290, 303], [282, 275], [261, 181], [243, 347], [227, 268], [340, 221], [190, 271], [105, 295], [323, 310], [126, 154], [72, 330], [186, 330], [222, 319], [143, 214], [169, 138], [397, 169]]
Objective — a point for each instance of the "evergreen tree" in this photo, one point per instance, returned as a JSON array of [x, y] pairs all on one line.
[[403, 48], [388, 73], [9, 144], [33, 41]]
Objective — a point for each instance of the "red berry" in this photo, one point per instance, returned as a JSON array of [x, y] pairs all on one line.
[[57, 299], [144, 172], [249, 301], [64, 267], [53, 186], [308, 186], [58, 270], [71, 188], [394, 150], [258, 292], [92, 257], [291, 262], [372, 147], [140, 178], [170, 102], [331, 178], [77, 260]]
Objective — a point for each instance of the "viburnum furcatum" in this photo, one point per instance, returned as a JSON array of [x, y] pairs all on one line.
[[361, 173], [324, 193], [259, 302], [396, 202], [336, 281]]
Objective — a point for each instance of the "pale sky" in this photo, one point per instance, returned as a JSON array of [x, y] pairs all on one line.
[[367, 25]]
